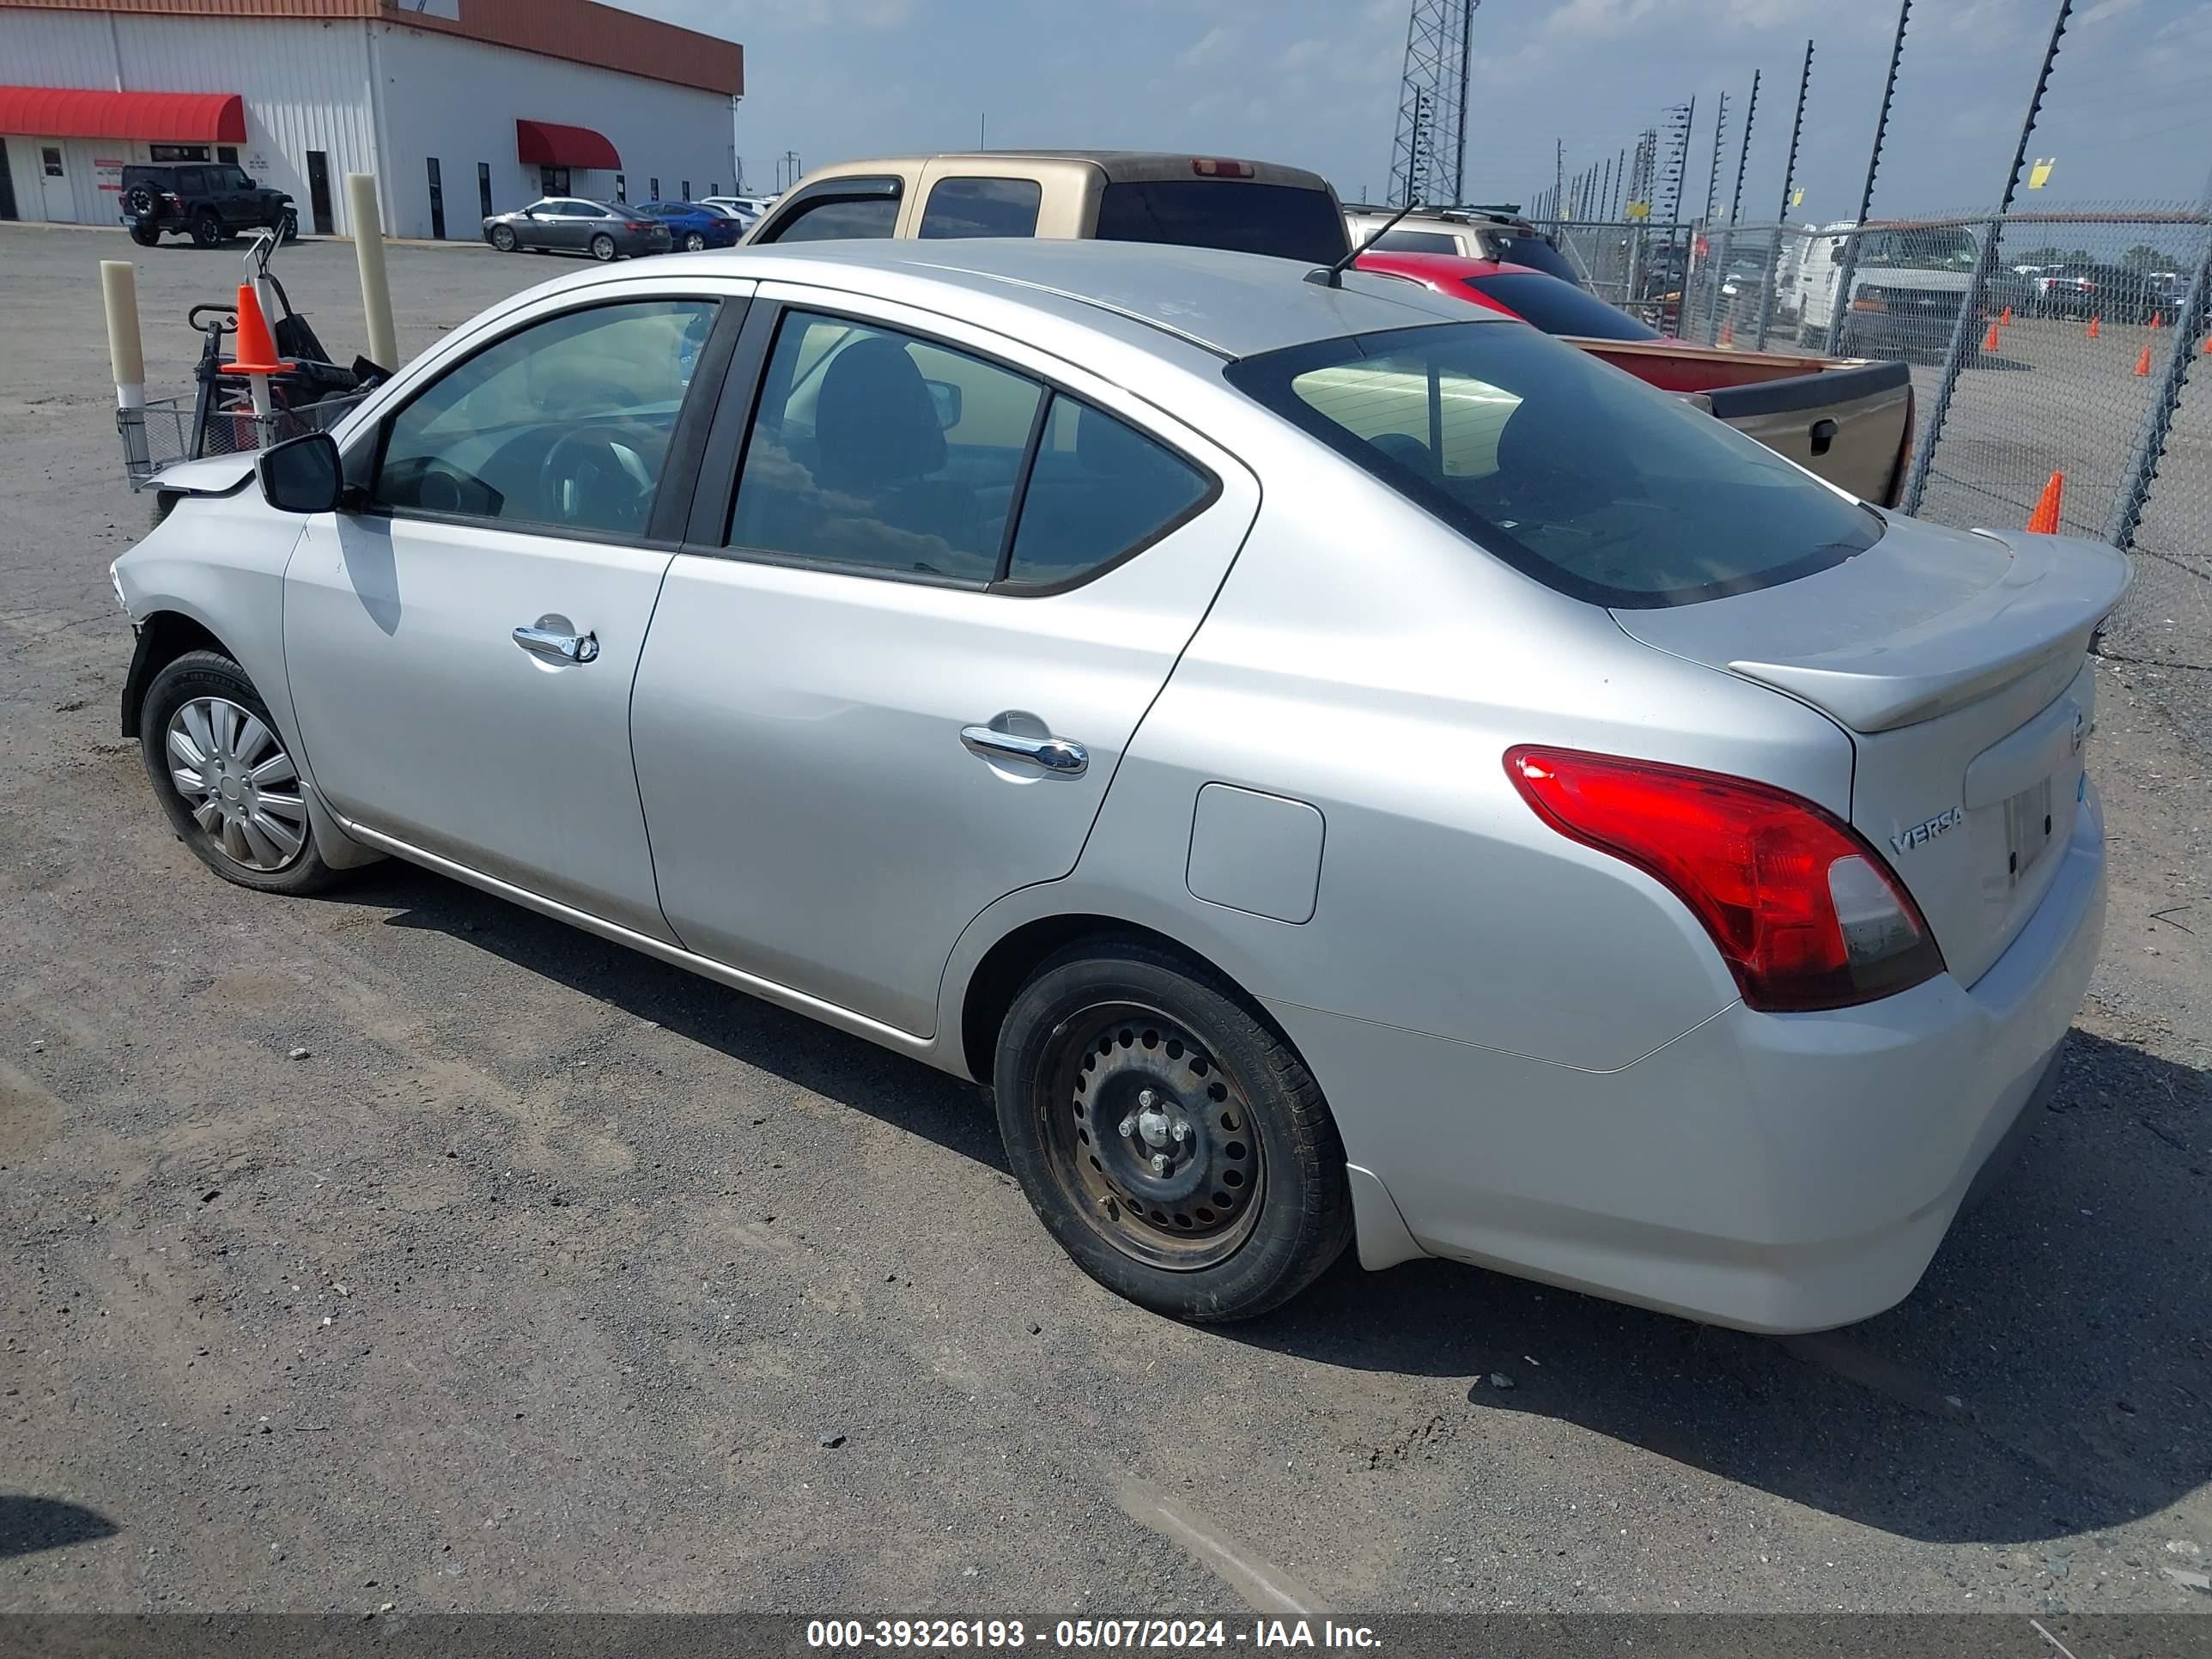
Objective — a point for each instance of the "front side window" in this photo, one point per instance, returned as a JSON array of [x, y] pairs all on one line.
[[829, 218], [983, 207], [877, 450], [1588, 480], [564, 423]]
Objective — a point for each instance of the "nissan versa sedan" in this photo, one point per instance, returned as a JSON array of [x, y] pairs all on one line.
[[1339, 765]]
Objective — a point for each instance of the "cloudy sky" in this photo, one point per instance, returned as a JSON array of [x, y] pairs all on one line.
[[1313, 82]]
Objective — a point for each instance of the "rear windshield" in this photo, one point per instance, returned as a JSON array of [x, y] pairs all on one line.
[[1537, 254], [1587, 479], [1558, 307], [1289, 221]]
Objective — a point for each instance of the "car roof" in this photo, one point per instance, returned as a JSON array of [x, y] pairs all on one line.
[[1120, 165], [1232, 305], [1445, 266]]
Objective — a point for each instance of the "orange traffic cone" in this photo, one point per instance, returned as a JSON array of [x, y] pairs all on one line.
[[1728, 333], [256, 346], [2006, 317], [2043, 521], [2094, 330], [1990, 343], [2142, 362], [2153, 320]]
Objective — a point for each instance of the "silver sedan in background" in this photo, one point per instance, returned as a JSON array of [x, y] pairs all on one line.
[[573, 224], [1338, 766]]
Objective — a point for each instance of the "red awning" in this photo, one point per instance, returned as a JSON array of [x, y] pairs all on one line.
[[160, 117], [542, 143]]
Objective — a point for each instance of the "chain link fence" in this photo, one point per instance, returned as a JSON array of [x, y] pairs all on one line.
[[2073, 360]]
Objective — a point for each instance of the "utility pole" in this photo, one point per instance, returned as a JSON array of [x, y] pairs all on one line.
[[1713, 181], [1432, 102], [1782, 214]]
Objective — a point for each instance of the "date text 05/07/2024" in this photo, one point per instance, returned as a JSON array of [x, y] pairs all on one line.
[[1132, 1635]]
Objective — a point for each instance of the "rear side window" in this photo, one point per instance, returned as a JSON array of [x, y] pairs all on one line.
[[1100, 491], [1585, 478], [1558, 307], [981, 206], [1415, 241], [879, 451], [871, 210], [1537, 254], [1289, 221]]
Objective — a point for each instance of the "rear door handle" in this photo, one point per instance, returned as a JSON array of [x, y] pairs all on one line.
[[1058, 756], [554, 646]]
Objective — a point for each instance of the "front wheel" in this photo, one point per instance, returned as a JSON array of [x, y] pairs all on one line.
[[1166, 1136], [226, 777], [502, 239], [603, 247]]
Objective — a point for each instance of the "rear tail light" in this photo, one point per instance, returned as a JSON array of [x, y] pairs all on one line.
[[1803, 910], [636, 224], [1212, 167]]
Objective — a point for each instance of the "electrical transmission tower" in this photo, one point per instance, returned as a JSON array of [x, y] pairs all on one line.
[[1428, 161]]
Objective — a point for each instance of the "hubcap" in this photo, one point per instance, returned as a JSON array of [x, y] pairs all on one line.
[[238, 783], [1151, 1137]]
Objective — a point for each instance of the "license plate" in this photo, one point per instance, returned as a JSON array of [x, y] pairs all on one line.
[[2028, 826]]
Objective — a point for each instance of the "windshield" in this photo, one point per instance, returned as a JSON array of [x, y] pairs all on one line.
[[1558, 308], [1584, 477], [1948, 249], [1289, 221]]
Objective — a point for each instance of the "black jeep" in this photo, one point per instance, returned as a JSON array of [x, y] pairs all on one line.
[[208, 201]]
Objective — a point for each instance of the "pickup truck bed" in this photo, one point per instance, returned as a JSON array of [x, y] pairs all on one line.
[[1847, 420]]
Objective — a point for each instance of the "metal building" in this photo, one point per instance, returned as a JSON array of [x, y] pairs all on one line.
[[461, 108]]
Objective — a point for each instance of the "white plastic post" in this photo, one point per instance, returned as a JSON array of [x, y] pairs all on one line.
[[126, 359], [369, 253]]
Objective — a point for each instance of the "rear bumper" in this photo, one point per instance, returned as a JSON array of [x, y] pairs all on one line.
[[1771, 1172]]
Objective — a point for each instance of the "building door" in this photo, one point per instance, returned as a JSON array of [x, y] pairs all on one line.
[[318, 191], [60, 201], [552, 181], [437, 202], [483, 187], [7, 186]]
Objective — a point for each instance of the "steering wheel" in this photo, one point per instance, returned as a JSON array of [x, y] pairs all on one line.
[[598, 476]]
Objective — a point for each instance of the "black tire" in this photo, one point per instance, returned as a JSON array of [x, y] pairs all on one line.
[[1119, 1032], [693, 241], [208, 674], [286, 226], [146, 235], [207, 229], [502, 238], [603, 247]]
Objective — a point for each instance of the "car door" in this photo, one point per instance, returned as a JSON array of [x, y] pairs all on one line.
[[892, 683], [547, 225], [461, 645]]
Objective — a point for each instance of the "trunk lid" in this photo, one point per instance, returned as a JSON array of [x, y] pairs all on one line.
[[1956, 660]]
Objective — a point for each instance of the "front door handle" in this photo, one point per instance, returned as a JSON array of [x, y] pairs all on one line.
[[1058, 756], [556, 646]]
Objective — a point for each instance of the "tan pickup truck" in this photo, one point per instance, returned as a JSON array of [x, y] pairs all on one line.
[[1123, 196]]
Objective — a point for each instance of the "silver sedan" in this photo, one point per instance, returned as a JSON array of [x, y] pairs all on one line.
[[1340, 767]]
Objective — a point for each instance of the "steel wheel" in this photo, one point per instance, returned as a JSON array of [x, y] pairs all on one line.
[[238, 783], [1151, 1137]]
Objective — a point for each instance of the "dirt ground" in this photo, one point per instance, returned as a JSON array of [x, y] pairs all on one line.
[[547, 1277]]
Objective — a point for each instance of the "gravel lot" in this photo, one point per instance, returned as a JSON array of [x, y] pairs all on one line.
[[547, 1277]]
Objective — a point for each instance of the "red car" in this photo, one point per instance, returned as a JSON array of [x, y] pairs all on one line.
[[1534, 296]]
